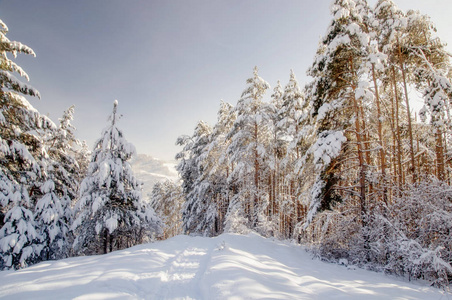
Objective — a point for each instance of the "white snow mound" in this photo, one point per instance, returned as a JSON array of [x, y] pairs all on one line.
[[226, 267]]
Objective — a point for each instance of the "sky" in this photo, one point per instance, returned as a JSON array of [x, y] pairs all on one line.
[[167, 62]]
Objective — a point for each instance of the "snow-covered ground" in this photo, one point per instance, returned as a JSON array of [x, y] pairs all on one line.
[[225, 267]]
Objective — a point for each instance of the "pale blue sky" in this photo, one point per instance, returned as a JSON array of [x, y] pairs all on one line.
[[168, 62]]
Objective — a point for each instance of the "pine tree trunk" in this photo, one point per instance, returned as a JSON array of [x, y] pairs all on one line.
[[399, 139], [393, 165], [410, 128], [359, 142], [380, 134], [440, 154], [105, 240], [111, 242], [256, 177]]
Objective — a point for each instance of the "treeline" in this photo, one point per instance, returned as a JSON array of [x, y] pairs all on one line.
[[57, 199], [342, 164]]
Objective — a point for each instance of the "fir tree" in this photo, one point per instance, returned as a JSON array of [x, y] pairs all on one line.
[[22, 159], [110, 211], [53, 210], [20, 242]]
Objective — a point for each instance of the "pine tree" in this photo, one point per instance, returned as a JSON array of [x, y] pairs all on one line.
[[390, 21], [167, 201], [110, 211], [22, 159], [199, 211], [340, 90], [20, 242], [395, 43], [217, 165], [53, 210], [291, 111], [431, 68], [279, 150], [249, 147], [51, 215]]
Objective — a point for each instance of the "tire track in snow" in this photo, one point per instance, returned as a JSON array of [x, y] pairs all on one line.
[[184, 274]]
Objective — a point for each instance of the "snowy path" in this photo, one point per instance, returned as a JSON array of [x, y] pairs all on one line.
[[226, 267], [184, 275]]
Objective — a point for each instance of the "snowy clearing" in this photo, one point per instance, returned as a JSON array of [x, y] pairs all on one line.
[[225, 267]]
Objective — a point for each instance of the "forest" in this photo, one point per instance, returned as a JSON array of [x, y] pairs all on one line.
[[342, 164]]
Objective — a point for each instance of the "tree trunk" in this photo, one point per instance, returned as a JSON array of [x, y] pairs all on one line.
[[399, 139], [105, 240], [256, 177], [410, 128], [359, 142], [111, 242], [440, 155], [380, 134]]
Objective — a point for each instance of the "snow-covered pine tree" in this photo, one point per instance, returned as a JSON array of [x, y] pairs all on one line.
[[431, 69], [21, 159], [337, 104], [167, 201], [53, 210], [395, 42], [20, 242], [279, 150], [291, 111], [52, 215], [199, 211], [204, 168], [218, 164], [110, 212], [388, 22], [250, 137], [72, 152]]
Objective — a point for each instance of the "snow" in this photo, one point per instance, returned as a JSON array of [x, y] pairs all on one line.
[[48, 186], [226, 267], [13, 81], [112, 223], [327, 147], [339, 41], [98, 202]]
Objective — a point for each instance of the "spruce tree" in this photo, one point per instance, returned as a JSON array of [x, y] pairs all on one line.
[[20, 241], [53, 210], [110, 212], [22, 159]]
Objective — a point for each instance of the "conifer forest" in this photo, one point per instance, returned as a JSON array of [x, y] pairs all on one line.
[[342, 164]]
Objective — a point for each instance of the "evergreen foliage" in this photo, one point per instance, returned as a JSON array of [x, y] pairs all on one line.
[[110, 211], [342, 165], [167, 200], [22, 160]]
